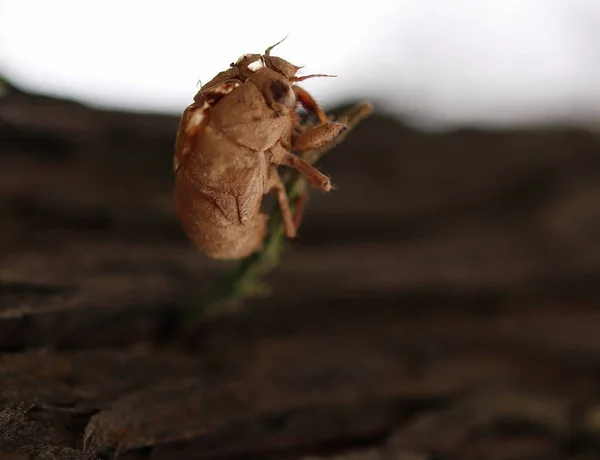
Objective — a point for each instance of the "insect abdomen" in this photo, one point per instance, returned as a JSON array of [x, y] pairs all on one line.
[[216, 236]]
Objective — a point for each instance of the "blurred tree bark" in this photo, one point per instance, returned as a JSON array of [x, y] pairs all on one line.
[[443, 303]]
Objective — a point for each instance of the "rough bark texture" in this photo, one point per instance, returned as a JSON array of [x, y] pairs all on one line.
[[442, 304]]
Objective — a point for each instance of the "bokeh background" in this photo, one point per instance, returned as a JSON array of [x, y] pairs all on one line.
[[466, 61], [442, 303]]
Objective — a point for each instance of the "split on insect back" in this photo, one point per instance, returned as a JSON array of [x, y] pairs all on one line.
[[241, 127]]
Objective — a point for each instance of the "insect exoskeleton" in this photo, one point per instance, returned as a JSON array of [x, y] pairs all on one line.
[[241, 126]]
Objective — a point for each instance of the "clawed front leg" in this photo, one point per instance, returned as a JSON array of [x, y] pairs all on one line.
[[350, 118], [314, 137], [314, 141]]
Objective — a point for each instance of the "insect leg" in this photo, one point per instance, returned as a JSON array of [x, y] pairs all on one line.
[[312, 174], [274, 183], [349, 118], [282, 156], [315, 137], [308, 102]]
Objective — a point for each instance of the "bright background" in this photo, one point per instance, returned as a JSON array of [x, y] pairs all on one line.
[[431, 61]]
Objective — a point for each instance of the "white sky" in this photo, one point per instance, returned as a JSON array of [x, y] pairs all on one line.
[[450, 60]]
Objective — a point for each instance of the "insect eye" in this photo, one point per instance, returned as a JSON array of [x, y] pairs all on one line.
[[282, 94]]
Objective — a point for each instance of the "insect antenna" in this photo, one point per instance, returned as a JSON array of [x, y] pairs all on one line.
[[270, 48], [314, 75]]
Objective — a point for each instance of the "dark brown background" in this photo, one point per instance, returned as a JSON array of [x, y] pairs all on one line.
[[442, 304]]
